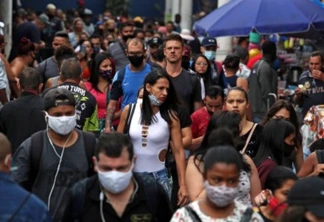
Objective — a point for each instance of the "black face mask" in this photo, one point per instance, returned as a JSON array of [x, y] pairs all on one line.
[[288, 149], [126, 37], [111, 30], [136, 61]]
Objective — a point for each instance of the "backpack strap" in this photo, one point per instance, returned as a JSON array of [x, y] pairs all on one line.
[[78, 196], [37, 143], [130, 114], [249, 138], [151, 190], [193, 215], [89, 146]]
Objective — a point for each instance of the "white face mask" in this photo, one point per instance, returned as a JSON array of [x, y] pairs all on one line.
[[221, 196], [115, 181], [62, 125]]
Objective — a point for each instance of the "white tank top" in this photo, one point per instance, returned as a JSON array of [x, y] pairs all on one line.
[[147, 148]]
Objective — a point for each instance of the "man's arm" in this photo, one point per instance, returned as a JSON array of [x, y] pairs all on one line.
[[3, 96], [110, 114], [21, 160]]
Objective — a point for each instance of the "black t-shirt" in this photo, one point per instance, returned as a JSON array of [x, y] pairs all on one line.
[[184, 117], [188, 89], [253, 146]]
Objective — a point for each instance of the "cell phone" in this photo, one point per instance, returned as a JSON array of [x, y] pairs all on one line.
[[83, 49]]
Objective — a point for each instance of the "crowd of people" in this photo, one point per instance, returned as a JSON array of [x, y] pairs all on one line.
[[127, 120]]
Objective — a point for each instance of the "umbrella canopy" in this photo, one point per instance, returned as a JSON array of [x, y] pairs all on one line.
[[240, 17]]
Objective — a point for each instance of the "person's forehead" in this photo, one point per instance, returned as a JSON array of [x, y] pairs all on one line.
[[135, 47], [61, 108]]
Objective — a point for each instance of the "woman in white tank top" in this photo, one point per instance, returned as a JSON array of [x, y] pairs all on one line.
[[152, 125]]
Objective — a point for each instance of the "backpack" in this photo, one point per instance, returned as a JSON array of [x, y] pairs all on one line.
[[37, 141], [80, 190]]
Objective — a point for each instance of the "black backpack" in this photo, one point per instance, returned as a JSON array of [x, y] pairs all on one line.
[[80, 190]]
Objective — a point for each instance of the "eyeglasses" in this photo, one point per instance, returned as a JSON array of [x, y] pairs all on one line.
[[201, 64]]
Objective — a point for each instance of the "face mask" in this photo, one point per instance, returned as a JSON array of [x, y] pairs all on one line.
[[126, 37], [221, 196], [115, 181], [146, 39], [111, 30], [136, 61], [107, 74], [276, 207], [154, 100], [288, 149], [210, 55], [62, 125]]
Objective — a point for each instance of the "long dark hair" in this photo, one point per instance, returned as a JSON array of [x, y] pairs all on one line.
[[283, 104], [170, 104], [95, 68], [222, 118], [207, 75], [272, 140], [223, 129]]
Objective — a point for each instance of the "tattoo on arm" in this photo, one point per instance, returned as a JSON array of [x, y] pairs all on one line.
[[109, 116]]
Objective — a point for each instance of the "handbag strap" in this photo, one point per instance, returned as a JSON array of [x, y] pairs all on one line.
[[249, 138]]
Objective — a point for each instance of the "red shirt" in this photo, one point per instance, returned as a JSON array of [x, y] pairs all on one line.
[[200, 120], [264, 169]]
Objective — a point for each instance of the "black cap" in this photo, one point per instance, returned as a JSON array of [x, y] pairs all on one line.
[[58, 97], [155, 41], [309, 193]]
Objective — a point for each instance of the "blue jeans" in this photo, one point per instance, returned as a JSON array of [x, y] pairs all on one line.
[[162, 177]]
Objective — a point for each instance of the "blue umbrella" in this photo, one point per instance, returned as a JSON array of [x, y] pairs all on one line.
[[240, 17]]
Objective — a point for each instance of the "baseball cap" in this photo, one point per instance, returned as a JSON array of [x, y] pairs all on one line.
[[51, 6], [209, 41], [309, 193], [232, 61], [155, 41], [87, 11], [138, 19], [58, 97], [44, 18]]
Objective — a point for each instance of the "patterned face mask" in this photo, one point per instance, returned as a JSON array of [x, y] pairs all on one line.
[[221, 196]]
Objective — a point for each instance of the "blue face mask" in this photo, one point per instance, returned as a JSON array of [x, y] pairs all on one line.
[[210, 55], [154, 100]]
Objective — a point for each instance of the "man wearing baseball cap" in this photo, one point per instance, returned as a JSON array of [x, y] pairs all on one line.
[[208, 48], [51, 161], [154, 44]]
